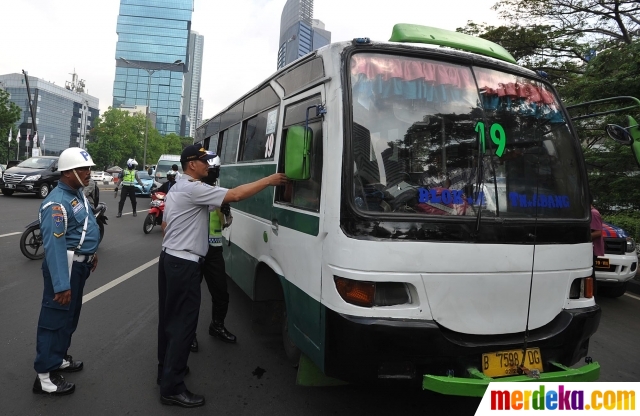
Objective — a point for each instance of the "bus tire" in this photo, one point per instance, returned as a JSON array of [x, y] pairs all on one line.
[[292, 351]]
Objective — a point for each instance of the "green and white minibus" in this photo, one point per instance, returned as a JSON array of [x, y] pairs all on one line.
[[436, 226]]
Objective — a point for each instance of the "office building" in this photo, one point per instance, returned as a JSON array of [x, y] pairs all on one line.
[[192, 108], [64, 115], [152, 36], [300, 33]]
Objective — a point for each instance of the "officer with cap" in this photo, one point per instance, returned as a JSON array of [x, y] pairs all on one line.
[[129, 179], [184, 247], [70, 236]]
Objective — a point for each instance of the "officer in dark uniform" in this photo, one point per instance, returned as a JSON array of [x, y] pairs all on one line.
[[70, 237], [129, 177], [213, 268]]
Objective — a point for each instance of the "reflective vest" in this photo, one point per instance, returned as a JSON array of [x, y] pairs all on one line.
[[129, 178], [216, 219]]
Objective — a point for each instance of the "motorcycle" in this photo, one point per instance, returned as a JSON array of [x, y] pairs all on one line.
[[31, 239], [156, 209]]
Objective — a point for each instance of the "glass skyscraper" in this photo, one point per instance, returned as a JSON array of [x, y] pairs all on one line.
[[300, 33], [64, 117], [192, 104], [152, 36]]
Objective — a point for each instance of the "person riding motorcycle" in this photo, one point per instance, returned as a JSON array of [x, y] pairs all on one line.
[[129, 178], [171, 180]]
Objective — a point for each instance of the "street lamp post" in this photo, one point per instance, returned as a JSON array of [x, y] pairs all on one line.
[[146, 124]]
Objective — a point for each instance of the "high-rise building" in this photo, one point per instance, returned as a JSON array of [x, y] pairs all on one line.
[[192, 108], [152, 50], [64, 115], [300, 33]]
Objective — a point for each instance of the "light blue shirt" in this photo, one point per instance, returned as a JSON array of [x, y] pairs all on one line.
[[65, 205]]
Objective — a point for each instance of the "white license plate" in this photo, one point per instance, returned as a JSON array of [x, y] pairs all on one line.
[[10, 186]]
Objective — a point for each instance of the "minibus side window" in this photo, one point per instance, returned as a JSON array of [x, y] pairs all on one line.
[[229, 145], [258, 137], [303, 194]]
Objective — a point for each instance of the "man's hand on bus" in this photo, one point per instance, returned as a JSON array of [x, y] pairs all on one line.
[[277, 179]]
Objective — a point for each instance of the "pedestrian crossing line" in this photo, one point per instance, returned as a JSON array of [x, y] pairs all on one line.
[[10, 234], [86, 298]]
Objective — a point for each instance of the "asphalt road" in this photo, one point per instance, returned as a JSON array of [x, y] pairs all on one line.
[[116, 339]]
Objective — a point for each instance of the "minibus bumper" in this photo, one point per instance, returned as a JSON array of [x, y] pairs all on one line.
[[360, 349]]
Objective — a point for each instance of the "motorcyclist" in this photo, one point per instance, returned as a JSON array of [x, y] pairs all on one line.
[[127, 184], [171, 180]]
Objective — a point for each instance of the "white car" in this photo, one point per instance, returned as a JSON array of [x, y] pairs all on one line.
[[100, 176]]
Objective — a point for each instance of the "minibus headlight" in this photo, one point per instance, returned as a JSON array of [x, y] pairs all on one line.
[[368, 294], [631, 245]]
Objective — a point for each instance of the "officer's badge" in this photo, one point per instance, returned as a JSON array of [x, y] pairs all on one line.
[[56, 208], [58, 235], [74, 202], [58, 219]]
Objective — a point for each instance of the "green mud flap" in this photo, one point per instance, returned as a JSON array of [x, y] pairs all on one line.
[[476, 384], [311, 376]]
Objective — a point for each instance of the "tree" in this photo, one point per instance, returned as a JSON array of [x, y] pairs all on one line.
[[118, 136], [561, 36], [9, 114]]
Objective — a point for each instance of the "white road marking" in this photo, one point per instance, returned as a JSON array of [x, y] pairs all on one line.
[[86, 298], [631, 296], [10, 234]]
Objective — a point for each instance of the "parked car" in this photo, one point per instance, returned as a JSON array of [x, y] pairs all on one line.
[[619, 263], [149, 184], [37, 175], [100, 176]]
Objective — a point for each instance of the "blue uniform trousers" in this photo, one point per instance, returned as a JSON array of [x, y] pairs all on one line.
[[179, 307], [57, 323]]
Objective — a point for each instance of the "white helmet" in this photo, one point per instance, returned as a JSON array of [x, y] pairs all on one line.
[[214, 163], [172, 173], [131, 163], [74, 157]]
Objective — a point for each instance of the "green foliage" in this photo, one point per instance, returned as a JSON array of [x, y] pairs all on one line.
[[9, 114], [118, 136], [628, 221]]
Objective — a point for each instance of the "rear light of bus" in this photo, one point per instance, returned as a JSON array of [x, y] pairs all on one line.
[[581, 288], [368, 294]]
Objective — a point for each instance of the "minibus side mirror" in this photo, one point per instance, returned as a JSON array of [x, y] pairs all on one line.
[[634, 132], [619, 134], [297, 156]]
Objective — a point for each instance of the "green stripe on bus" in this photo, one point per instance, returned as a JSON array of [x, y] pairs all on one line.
[[305, 223], [261, 204]]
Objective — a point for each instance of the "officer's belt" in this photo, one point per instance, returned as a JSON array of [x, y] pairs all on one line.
[[83, 258], [183, 255]]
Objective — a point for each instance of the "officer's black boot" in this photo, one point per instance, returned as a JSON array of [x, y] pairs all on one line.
[[119, 215], [194, 344], [217, 329]]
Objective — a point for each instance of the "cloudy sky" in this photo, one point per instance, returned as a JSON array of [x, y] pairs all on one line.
[[51, 38]]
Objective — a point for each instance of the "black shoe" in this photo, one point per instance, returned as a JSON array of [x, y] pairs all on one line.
[[184, 399], [194, 345], [72, 367], [119, 215], [159, 380], [62, 387], [135, 214], [217, 329]]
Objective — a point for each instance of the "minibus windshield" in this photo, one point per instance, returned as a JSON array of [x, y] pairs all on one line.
[[434, 138]]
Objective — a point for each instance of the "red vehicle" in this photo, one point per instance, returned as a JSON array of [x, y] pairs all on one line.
[[154, 217]]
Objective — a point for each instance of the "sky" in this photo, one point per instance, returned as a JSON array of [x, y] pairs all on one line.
[[52, 38]]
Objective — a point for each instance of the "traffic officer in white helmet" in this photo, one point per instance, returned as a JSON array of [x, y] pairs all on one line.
[[127, 184], [70, 236]]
